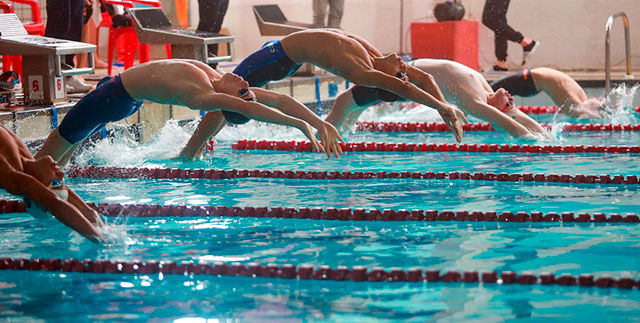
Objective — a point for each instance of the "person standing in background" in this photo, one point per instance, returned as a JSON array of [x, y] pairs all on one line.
[[211, 16], [336, 9], [64, 21], [494, 16]]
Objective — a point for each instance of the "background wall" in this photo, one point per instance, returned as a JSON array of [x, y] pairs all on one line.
[[571, 31]]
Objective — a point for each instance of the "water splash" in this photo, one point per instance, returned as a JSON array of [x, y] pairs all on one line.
[[619, 107]]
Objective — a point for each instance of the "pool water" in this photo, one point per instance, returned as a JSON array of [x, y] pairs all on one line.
[[559, 248]]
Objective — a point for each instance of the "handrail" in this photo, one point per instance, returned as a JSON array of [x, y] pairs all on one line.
[[607, 50]]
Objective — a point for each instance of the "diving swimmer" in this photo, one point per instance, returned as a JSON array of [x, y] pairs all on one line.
[[459, 84], [188, 83], [565, 92], [341, 53], [31, 178]]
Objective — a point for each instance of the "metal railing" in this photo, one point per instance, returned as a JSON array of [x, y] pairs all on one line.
[[607, 48]]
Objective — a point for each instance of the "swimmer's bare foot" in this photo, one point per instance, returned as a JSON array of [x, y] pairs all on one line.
[[44, 169]]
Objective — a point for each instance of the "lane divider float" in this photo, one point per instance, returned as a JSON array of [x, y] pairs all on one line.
[[304, 146], [380, 126], [174, 173], [309, 272], [343, 214], [528, 109]]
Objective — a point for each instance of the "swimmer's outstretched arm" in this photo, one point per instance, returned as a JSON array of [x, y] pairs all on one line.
[[425, 81], [252, 110], [209, 126], [328, 134], [22, 184], [492, 115], [451, 115]]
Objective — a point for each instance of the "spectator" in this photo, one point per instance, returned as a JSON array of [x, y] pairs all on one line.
[[494, 16], [64, 21], [336, 8]]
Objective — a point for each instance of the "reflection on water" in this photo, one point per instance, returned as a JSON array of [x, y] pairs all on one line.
[[200, 298]]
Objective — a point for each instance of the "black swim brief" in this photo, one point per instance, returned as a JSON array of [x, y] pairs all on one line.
[[519, 83]]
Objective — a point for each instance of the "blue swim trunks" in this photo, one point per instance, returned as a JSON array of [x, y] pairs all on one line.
[[268, 64], [109, 102]]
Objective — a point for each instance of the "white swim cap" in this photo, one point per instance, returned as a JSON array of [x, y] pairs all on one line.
[[37, 210]]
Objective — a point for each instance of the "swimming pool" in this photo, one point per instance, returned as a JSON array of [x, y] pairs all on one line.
[[560, 248]]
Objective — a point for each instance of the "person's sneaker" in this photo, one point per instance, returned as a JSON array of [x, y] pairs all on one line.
[[76, 85], [497, 68], [528, 50]]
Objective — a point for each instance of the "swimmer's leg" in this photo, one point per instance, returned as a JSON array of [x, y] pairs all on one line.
[[55, 146], [209, 126]]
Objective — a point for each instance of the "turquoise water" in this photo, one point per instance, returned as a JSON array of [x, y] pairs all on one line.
[[537, 247]]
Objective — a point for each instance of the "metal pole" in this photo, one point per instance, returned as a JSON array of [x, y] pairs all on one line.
[[607, 48]]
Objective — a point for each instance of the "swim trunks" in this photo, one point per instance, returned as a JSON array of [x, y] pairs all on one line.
[[269, 63], [519, 83], [109, 102]]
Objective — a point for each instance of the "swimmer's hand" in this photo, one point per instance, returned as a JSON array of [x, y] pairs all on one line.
[[308, 131], [330, 138], [71, 217], [453, 118]]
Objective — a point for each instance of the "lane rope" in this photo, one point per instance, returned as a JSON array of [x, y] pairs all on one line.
[[304, 146], [376, 126], [343, 214], [173, 173], [309, 272], [528, 109]]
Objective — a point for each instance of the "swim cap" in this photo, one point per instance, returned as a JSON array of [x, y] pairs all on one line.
[[235, 117], [38, 211]]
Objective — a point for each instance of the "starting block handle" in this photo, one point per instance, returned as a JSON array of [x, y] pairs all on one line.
[[75, 71], [217, 59]]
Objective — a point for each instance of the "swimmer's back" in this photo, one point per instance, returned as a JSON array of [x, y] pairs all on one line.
[[166, 81]]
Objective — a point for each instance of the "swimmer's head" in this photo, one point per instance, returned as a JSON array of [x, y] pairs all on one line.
[[500, 100], [391, 64], [38, 211], [233, 84], [236, 118]]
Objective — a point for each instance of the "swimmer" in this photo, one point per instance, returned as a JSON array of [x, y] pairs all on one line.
[[21, 174], [565, 92], [341, 53], [459, 84], [188, 83]]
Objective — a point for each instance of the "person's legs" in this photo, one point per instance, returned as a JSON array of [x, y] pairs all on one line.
[[494, 16], [319, 12], [335, 13]]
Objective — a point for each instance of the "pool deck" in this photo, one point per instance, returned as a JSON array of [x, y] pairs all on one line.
[[35, 123]]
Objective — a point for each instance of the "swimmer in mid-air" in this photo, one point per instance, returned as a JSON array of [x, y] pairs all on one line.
[[181, 82], [565, 92], [341, 53], [31, 178], [459, 84]]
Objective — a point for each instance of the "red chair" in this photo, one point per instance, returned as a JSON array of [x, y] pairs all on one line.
[[36, 26], [128, 33]]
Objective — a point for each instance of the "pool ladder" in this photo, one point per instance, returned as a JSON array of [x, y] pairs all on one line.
[[607, 48]]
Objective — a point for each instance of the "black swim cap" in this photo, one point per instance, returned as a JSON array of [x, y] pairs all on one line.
[[235, 117]]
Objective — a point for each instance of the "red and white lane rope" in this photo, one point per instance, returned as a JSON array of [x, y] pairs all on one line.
[[384, 126], [161, 173], [304, 146], [528, 109], [343, 214], [308, 272]]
